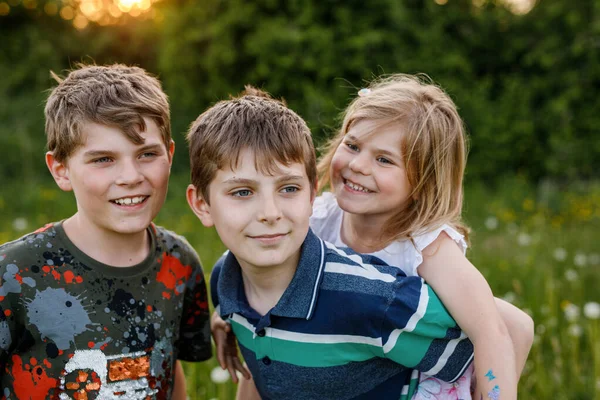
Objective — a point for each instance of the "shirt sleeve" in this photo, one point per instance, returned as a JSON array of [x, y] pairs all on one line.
[[194, 339], [418, 332], [214, 281]]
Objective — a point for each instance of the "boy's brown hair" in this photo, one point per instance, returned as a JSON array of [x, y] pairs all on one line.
[[115, 95], [255, 121]]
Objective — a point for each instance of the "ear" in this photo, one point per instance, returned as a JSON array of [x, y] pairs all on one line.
[[171, 150], [199, 206], [59, 171]]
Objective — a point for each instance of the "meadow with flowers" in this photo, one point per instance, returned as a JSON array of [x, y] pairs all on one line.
[[522, 73], [536, 245]]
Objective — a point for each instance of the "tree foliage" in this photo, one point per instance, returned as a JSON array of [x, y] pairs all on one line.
[[525, 84]]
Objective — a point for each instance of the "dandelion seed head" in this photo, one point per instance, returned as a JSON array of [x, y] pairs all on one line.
[[524, 239], [20, 224], [571, 312], [571, 275], [580, 260], [560, 254], [510, 297], [575, 330], [591, 310], [218, 375], [491, 223]]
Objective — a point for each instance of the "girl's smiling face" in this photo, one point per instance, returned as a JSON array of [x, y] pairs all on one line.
[[368, 174]]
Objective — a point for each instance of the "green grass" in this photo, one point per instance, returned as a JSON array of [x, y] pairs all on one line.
[[537, 247]]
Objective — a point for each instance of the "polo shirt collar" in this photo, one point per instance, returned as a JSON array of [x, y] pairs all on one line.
[[300, 297]]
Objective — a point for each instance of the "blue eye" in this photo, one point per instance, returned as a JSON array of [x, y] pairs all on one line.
[[290, 189], [352, 147], [148, 154], [101, 160], [242, 193]]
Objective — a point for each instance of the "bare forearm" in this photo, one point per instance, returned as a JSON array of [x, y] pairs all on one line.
[[494, 368], [521, 329], [247, 390], [179, 392]]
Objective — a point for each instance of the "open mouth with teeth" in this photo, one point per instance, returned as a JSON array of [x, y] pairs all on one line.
[[130, 201], [356, 187]]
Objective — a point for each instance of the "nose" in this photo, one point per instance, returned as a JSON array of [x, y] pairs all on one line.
[[360, 164], [270, 209], [130, 173]]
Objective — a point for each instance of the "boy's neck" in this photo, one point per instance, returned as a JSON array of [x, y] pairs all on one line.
[[363, 233], [264, 286], [110, 248]]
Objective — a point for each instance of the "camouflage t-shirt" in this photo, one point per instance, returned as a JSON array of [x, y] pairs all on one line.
[[74, 328]]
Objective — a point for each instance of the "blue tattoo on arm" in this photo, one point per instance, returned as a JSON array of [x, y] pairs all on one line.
[[490, 375]]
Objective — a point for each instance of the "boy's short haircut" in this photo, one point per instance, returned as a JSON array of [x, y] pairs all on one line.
[[255, 121], [116, 95]]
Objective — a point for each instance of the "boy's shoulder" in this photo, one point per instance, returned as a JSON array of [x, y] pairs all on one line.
[[174, 244], [30, 243]]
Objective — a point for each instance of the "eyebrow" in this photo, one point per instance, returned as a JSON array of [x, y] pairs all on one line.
[[96, 153], [381, 151], [244, 181]]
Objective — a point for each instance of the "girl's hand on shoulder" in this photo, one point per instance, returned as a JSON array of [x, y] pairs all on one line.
[[227, 350]]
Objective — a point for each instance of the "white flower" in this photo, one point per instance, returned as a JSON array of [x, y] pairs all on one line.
[[491, 223], [571, 275], [560, 254], [218, 375], [591, 310], [20, 224], [575, 330], [524, 239], [594, 258], [571, 312], [510, 297], [580, 260]]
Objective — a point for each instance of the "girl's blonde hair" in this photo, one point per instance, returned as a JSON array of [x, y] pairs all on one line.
[[434, 149]]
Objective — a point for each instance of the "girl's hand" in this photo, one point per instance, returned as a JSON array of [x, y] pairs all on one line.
[[227, 350]]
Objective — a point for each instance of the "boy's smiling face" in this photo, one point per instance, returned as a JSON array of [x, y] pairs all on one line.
[[262, 219], [120, 186]]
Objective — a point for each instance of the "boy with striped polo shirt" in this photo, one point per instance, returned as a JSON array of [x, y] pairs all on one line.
[[312, 320]]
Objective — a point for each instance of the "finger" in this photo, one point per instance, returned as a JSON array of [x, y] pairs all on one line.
[[242, 368], [231, 368], [221, 344]]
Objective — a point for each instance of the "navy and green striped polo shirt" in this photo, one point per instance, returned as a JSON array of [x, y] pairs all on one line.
[[347, 327]]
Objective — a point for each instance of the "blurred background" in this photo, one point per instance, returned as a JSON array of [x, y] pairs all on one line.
[[524, 74]]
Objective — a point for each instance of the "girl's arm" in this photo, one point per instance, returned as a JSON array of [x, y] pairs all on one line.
[[227, 356], [179, 392], [521, 330], [468, 297], [227, 350], [247, 390]]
